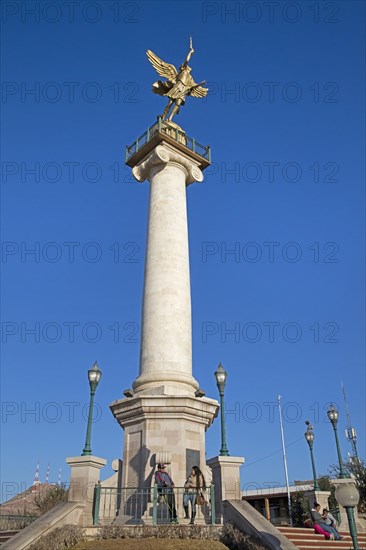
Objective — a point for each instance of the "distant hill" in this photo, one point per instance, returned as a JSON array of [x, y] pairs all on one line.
[[23, 504]]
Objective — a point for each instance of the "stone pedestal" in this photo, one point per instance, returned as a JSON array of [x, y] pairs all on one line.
[[84, 475], [162, 425], [226, 478]]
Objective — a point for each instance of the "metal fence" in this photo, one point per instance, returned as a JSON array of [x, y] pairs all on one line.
[[163, 127], [15, 521], [139, 506]]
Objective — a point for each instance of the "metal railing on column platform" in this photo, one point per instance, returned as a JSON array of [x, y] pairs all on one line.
[[146, 506], [163, 128]]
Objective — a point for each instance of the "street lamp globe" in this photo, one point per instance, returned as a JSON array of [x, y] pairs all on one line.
[[94, 374], [221, 376], [347, 494], [309, 434], [333, 415]]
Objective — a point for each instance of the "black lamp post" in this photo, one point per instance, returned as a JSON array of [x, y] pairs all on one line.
[[221, 376], [346, 493], [94, 375], [309, 436]]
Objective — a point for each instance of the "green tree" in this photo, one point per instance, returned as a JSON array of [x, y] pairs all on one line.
[[300, 509], [356, 468]]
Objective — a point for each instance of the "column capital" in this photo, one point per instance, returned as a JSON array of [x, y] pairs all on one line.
[[163, 155]]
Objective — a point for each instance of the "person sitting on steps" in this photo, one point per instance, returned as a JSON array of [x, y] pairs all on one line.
[[318, 519], [329, 519]]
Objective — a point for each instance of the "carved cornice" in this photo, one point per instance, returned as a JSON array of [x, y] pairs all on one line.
[[138, 409]]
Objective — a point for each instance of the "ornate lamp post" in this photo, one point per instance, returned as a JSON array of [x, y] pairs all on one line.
[[309, 436], [221, 376], [333, 417], [94, 375], [346, 493]]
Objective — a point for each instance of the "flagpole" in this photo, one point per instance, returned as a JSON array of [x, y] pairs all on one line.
[[284, 460]]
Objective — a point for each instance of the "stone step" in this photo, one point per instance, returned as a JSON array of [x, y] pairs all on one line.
[[324, 544], [315, 538], [6, 535], [311, 542], [307, 539], [311, 537], [330, 545], [305, 530], [308, 531]]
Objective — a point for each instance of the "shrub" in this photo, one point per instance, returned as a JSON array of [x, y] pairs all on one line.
[[160, 532], [55, 495], [235, 539], [60, 538], [229, 535], [300, 509], [15, 522]]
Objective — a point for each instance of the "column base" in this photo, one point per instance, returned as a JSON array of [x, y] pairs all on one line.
[[156, 383], [163, 425]]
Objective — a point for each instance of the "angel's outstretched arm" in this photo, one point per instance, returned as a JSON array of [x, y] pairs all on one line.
[[189, 55], [197, 85]]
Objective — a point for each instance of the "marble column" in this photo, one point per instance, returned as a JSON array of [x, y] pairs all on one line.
[[166, 339]]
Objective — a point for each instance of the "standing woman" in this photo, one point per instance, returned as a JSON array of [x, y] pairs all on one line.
[[193, 486]]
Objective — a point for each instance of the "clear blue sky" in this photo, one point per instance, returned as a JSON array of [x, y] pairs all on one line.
[[285, 194]]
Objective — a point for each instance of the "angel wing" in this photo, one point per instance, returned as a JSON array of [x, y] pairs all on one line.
[[196, 90], [162, 68], [199, 91]]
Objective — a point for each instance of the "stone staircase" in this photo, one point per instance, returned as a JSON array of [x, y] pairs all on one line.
[[6, 535], [306, 539]]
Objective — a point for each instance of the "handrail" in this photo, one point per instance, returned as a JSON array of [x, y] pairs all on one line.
[[161, 127]]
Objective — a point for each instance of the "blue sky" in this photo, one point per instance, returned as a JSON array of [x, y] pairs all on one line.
[[276, 230]]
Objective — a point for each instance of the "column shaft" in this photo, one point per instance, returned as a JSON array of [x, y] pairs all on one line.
[[166, 333]]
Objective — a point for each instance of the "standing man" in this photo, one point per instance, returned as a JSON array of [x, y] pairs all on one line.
[[165, 487]]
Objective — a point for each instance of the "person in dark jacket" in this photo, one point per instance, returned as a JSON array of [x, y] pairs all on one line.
[[165, 487]]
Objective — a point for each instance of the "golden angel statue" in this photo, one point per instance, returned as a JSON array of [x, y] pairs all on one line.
[[178, 84]]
